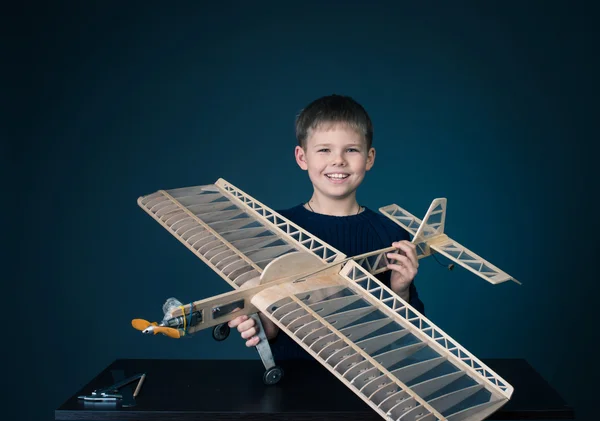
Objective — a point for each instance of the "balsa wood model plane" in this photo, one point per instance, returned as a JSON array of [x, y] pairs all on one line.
[[395, 359]]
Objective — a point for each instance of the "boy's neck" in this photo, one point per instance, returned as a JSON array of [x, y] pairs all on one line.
[[338, 207]]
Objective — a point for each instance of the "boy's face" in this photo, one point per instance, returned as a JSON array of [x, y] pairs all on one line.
[[336, 160]]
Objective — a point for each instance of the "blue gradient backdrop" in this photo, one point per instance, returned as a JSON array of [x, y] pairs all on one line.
[[490, 106]]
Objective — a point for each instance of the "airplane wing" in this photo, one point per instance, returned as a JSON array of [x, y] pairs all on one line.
[[391, 356], [396, 360], [429, 234], [233, 233]]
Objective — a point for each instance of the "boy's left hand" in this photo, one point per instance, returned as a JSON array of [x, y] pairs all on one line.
[[405, 267]]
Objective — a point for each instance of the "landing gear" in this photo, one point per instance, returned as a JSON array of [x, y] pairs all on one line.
[[272, 375], [221, 332]]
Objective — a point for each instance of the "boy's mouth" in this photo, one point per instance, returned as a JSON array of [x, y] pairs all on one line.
[[337, 176]]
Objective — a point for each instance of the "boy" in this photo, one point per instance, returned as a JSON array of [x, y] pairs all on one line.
[[335, 137]]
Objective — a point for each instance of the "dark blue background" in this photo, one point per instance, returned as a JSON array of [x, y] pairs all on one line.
[[489, 106]]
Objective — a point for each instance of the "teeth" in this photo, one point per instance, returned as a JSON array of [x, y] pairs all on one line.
[[338, 176]]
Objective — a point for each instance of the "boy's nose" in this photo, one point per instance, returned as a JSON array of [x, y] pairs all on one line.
[[339, 160]]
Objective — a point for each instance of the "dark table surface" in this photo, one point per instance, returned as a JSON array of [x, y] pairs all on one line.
[[233, 389]]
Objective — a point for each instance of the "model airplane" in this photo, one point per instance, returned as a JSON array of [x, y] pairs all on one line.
[[395, 359]]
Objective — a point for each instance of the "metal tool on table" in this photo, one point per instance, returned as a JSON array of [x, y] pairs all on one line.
[[117, 392]]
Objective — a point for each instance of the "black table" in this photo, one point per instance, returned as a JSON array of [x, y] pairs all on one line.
[[233, 389]]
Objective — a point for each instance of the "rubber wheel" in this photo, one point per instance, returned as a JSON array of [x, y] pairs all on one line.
[[272, 375], [221, 332]]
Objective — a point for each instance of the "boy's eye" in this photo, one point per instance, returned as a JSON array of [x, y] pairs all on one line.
[[352, 150], [323, 150]]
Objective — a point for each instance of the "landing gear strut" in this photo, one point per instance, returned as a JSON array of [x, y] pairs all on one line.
[[273, 373]]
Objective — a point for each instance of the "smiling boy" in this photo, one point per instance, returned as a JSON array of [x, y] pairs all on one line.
[[335, 136]]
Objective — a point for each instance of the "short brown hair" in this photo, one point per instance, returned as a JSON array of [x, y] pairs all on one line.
[[330, 110]]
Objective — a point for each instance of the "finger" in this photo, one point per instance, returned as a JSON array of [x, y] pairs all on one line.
[[246, 325], [410, 250], [406, 243], [252, 341], [404, 273], [235, 322], [247, 334], [404, 276], [400, 259], [404, 265]]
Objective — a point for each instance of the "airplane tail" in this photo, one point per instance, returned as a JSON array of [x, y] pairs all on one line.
[[433, 222], [429, 237]]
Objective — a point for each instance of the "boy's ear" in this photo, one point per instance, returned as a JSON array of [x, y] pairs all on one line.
[[370, 158], [301, 158]]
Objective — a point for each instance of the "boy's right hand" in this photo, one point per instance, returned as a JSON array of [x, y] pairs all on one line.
[[247, 328]]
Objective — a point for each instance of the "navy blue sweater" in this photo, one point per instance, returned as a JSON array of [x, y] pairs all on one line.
[[351, 235]]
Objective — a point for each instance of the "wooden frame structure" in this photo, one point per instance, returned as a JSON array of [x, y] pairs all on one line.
[[394, 358]]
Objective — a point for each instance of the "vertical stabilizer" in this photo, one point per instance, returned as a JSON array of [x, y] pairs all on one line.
[[433, 222]]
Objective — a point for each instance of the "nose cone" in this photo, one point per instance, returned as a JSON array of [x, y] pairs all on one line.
[[148, 330]]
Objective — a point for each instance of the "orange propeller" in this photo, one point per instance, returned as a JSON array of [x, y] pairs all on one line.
[[169, 331], [141, 324]]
